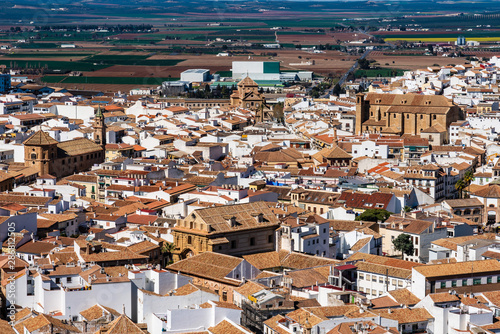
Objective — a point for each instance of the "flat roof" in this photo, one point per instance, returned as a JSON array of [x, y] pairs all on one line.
[[196, 70]]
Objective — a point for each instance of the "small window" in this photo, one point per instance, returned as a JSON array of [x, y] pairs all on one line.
[[476, 281], [464, 282], [233, 244], [443, 285], [252, 241]]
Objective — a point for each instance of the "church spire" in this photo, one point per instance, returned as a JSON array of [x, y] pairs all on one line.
[[99, 128], [99, 112]]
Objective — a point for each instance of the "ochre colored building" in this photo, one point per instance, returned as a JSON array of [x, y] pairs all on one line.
[[61, 159], [247, 96], [230, 229], [404, 113]]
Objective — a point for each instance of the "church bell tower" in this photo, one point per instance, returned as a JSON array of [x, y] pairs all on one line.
[[99, 128]]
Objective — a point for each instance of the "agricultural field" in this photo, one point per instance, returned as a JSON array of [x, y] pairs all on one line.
[[415, 62], [441, 39], [163, 39], [146, 81]]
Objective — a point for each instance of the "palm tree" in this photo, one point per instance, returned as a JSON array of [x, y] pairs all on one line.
[[168, 248], [468, 178], [460, 186]]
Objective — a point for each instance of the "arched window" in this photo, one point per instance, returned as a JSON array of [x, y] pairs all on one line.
[[190, 240], [33, 156]]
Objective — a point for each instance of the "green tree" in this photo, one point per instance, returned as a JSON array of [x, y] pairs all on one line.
[[374, 215], [468, 178], [168, 248], [460, 186], [363, 64], [403, 244]]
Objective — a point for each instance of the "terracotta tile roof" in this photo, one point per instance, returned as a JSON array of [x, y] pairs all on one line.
[[332, 311], [142, 247], [489, 191], [40, 138], [77, 146], [141, 219], [459, 268], [383, 270], [443, 297], [25, 200], [82, 178], [302, 315], [369, 327], [121, 325], [189, 289], [6, 264], [209, 265], [285, 259], [226, 327], [63, 257], [360, 244], [493, 297], [212, 303], [451, 243], [376, 200], [42, 320], [307, 277], [383, 265], [37, 247], [112, 256], [245, 216], [405, 315], [6, 328], [404, 297], [331, 153], [349, 225], [249, 288], [266, 274], [465, 202], [97, 311], [273, 323], [383, 302]]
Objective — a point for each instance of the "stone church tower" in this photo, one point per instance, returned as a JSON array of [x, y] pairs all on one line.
[[99, 128], [39, 152], [247, 96]]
